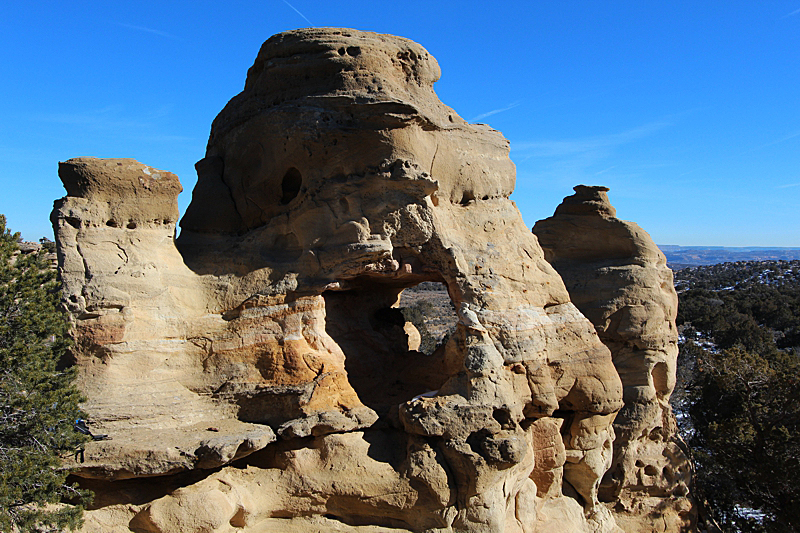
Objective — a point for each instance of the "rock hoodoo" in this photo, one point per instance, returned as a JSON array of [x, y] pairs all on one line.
[[256, 373], [619, 279]]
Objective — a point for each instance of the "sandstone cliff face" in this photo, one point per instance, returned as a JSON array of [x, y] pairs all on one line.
[[140, 316], [256, 374], [619, 279]]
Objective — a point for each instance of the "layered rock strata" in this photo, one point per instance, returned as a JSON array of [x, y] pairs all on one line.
[[256, 373], [619, 279], [138, 313]]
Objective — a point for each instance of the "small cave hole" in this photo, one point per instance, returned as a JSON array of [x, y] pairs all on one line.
[[567, 416], [354, 51], [503, 417], [568, 490], [342, 51], [467, 198], [290, 185], [606, 491], [238, 519], [475, 441], [131, 225], [650, 470], [285, 248], [112, 223], [660, 375]]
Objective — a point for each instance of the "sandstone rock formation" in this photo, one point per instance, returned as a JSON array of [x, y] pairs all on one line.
[[619, 279], [140, 317], [256, 374]]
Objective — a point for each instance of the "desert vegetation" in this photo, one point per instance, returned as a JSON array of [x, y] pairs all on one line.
[[738, 394], [38, 402]]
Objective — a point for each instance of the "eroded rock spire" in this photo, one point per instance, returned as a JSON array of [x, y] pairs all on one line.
[[619, 279]]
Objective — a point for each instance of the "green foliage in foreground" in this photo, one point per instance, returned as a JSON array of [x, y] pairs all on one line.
[[38, 402], [746, 440]]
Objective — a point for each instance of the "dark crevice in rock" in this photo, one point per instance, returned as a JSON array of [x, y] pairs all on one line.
[[290, 185], [138, 491], [382, 367]]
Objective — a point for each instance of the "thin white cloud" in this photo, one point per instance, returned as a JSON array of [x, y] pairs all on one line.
[[494, 112], [149, 30], [145, 126], [298, 12], [785, 138], [604, 170], [777, 141], [793, 13], [788, 185], [584, 146]]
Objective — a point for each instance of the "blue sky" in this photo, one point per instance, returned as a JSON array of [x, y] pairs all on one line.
[[688, 111]]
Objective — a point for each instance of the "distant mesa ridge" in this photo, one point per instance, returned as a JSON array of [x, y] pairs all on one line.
[[681, 256]]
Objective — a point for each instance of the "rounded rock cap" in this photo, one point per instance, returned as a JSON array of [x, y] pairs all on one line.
[[587, 200]]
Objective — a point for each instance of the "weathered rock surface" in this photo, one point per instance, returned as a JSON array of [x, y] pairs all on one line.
[[138, 313], [256, 374], [619, 279]]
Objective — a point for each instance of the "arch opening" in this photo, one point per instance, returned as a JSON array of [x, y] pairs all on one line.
[[388, 359]]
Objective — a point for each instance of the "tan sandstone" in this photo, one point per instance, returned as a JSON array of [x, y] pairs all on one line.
[[619, 279], [256, 373]]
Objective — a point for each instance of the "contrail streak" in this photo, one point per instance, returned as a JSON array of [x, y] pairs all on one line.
[[298, 12]]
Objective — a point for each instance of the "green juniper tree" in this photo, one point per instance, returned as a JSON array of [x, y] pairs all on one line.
[[38, 402], [745, 411]]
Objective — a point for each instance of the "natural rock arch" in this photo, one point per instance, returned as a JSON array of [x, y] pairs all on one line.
[[222, 362]]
